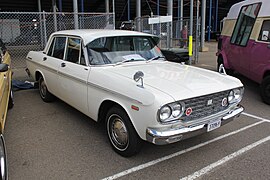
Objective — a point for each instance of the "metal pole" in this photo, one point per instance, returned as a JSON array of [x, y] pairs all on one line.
[[60, 5], [75, 11], [216, 24], [181, 14], [190, 32], [54, 15], [107, 9], [40, 24], [128, 9], [82, 6], [210, 18], [197, 32], [169, 24], [138, 15], [44, 25], [203, 24], [158, 7], [113, 14], [178, 20], [82, 17]]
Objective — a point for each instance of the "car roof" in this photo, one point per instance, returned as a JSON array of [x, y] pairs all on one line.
[[235, 9], [89, 35]]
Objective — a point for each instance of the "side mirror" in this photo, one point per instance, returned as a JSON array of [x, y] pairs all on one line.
[[4, 67], [221, 69], [139, 76]]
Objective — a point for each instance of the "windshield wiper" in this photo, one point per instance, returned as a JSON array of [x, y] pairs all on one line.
[[124, 61], [127, 60], [155, 58]]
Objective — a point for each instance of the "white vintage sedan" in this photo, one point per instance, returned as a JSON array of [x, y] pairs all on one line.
[[121, 78]]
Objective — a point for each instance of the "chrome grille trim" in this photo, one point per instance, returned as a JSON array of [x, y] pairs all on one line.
[[199, 106]]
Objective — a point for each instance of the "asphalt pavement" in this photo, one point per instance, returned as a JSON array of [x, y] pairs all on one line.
[[55, 141]]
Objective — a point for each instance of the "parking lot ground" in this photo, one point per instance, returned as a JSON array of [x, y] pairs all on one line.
[[55, 141]]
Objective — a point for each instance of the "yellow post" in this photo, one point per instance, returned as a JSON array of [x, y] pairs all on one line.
[[190, 46]]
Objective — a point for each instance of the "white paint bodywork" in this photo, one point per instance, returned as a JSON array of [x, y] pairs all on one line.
[[86, 87]]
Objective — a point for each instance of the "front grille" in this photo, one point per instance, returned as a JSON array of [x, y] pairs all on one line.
[[199, 106]]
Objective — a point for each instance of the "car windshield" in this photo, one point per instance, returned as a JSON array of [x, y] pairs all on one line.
[[120, 49]]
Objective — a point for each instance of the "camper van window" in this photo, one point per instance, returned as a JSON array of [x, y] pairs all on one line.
[[265, 32], [244, 24]]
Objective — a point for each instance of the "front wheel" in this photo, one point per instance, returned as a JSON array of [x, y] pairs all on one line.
[[122, 135], [265, 90], [45, 95]]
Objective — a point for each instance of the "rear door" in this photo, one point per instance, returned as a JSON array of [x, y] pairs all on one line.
[[73, 73], [51, 63]]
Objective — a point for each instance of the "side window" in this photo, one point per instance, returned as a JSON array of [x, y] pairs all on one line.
[[244, 24], [73, 50], [265, 32], [59, 47]]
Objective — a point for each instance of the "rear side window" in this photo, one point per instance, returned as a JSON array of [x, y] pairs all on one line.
[[265, 32], [57, 48], [244, 24]]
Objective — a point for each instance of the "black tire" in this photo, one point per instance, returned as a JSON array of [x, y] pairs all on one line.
[[44, 93], [3, 157], [219, 62], [265, 90], [121, 133], [11, 100]]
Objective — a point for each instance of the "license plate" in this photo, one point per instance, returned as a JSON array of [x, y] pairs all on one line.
[[213, 125]]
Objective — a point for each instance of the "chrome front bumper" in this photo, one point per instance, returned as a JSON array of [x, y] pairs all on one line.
[[171, 135]]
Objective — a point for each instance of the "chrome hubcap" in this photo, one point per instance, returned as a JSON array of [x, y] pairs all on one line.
[[118, 132], [43, 89]]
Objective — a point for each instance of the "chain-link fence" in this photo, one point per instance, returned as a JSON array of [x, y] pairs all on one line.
[[26, 31], [172, 34]]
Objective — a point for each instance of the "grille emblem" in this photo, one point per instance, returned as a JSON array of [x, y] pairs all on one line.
[[209, 102], [188, 111]]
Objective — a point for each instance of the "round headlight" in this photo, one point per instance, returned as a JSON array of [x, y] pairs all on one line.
[[165, 113], [176, 110], [237, 94], [231, 97]]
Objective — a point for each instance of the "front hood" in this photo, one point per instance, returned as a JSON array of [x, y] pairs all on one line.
[[177, 80]]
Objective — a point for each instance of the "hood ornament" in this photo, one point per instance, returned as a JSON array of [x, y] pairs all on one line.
[[139, 76]]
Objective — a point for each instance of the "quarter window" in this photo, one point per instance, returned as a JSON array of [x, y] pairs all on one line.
[[244, 24], [265, 31]]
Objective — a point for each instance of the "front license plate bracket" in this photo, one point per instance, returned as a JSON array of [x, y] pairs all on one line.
[[213, 125]]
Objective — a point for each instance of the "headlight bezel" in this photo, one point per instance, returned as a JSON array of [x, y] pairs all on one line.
[[171, 118], [235, 95]]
